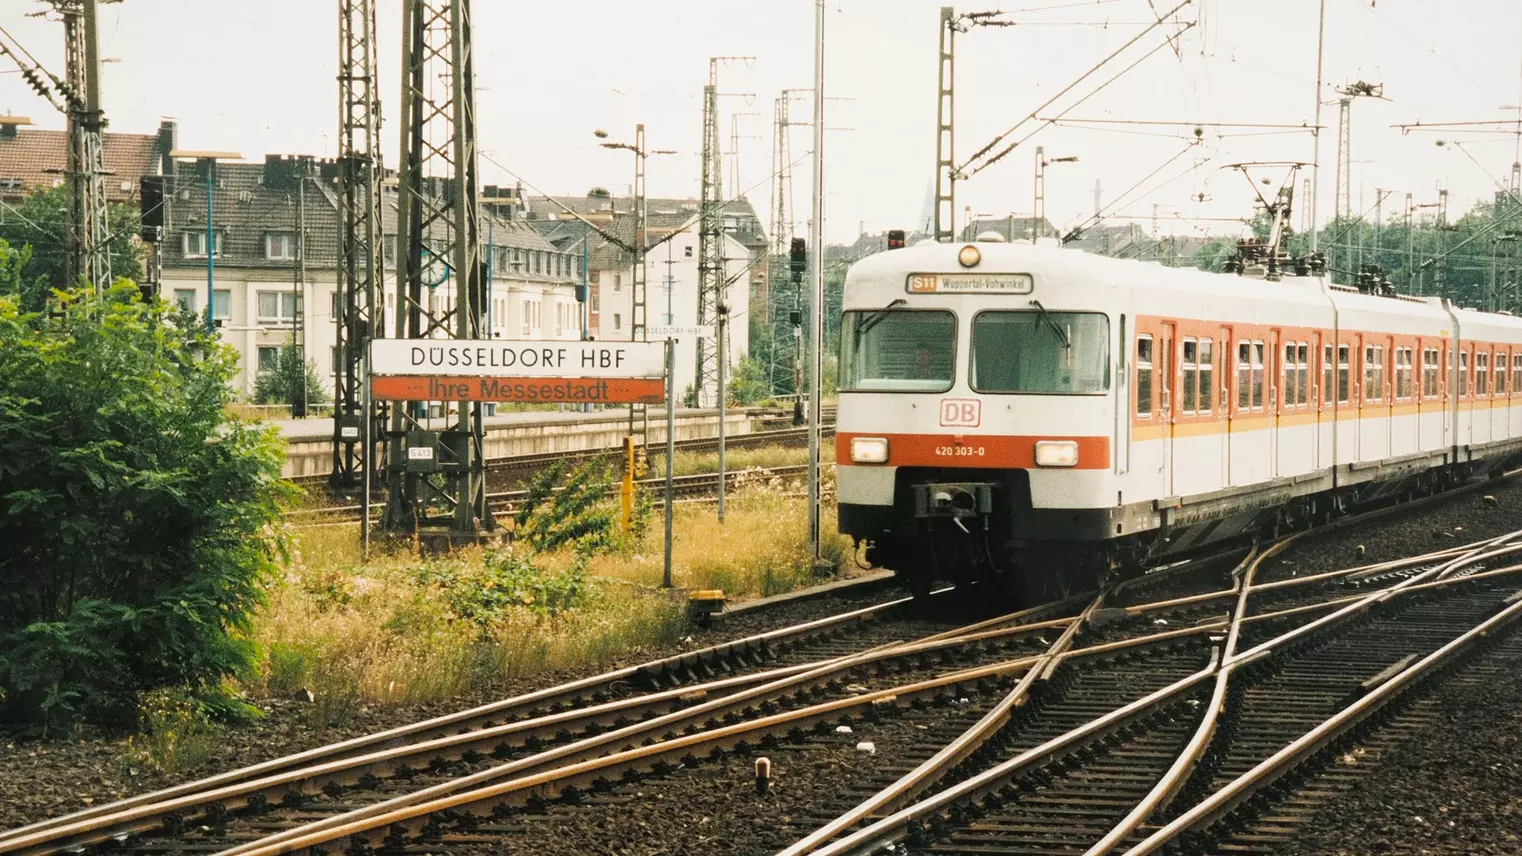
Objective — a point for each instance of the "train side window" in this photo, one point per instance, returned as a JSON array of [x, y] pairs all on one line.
[[1328, 382], [1244, 375], [1303, 366], [1144, 375], [1501, 371], [1373, 372], [1207, 374], [1343, 380], [1191, 376], [1463, 373], [1429, 372], [1290, 377], [1481, 374]]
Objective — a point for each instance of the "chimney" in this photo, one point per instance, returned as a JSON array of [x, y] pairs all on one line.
[[168, 141]]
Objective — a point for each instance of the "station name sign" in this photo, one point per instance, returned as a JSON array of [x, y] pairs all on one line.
[[970, 283], [517, 370]]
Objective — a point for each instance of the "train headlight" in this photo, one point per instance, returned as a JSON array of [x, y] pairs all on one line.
[[1056, 453], [869, 450], [969, 256]]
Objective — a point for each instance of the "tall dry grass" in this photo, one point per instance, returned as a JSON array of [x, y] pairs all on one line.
[[397, 629]]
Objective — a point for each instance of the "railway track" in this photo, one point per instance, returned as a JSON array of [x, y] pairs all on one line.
[[1081, 727], [512, 470], [1177, 767], [697, 487]]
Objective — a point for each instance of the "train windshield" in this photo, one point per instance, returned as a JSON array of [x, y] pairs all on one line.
[[897, 350], [1040, 352]]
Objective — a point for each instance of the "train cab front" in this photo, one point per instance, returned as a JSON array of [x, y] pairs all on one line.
[[973, 419]]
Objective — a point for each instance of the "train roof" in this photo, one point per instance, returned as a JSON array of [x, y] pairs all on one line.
[[881, 278]]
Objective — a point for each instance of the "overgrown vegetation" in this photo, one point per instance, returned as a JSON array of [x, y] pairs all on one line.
[[175, 733], [570, 591], [137, 518]]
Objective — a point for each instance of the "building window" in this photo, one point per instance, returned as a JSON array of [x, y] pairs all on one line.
[[595, 302], [279, 307], [1144, 376], [222, 304], [269, 358], [194, 243], [185, 298], [618, 322], [618, 282], [527, 314], [687, 252], [280, 246]]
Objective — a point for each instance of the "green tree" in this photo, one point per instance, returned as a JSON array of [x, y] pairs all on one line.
[[748, 384], [41, 221], [137, 516], [288, 378]]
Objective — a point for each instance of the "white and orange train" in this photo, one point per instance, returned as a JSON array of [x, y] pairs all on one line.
[[1046, 416]]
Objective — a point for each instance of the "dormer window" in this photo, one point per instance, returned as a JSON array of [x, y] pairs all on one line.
[[280, 246], [194, 243]]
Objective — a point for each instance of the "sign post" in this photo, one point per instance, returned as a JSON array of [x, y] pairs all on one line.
[[670, 452], [495, 370]]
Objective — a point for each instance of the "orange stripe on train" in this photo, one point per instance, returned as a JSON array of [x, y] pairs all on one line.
[[973, 450]]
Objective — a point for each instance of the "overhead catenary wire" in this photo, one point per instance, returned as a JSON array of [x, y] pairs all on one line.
[[1065, 90], [1077, 231], [1047, 123]]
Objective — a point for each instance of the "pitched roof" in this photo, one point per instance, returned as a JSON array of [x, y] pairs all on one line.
[[35, 159], [248, 202]]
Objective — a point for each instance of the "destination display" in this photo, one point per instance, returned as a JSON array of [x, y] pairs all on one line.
[[517, 358], [971, 283]]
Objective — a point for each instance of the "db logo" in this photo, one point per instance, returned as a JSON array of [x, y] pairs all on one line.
[[961, 412]]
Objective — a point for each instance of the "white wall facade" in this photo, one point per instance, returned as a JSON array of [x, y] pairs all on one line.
[[671, 299]]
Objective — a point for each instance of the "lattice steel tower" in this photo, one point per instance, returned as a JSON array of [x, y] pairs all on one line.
[[710, 237], [440, 278], [361, 265], [89, 229]]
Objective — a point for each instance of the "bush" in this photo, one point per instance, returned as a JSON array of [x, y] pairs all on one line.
[[176, 734], [137, 518]]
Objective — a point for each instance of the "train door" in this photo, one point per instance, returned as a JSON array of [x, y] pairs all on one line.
[[1271, 371], [1168, 382]]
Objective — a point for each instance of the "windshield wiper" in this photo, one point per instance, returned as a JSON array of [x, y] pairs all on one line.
[[877, 315], [1056, 328]]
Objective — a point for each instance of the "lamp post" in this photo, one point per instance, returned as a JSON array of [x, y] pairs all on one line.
[[637, 288], [206, 162], [1038, 208]]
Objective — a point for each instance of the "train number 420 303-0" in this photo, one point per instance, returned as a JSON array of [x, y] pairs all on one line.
[[959, 451]]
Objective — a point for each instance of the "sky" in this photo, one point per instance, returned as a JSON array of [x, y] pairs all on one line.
[[259, 78]]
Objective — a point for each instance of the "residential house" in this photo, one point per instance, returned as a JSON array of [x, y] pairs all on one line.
[[671, 265], [33, 159], [258, 301]]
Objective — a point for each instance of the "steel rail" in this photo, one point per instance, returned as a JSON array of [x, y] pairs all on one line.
[[1223, 801], [936, 766], [374, 823], [484, 741], [450, 723], [1168, 786], [975, 737], [565, 758], [891, 829]]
